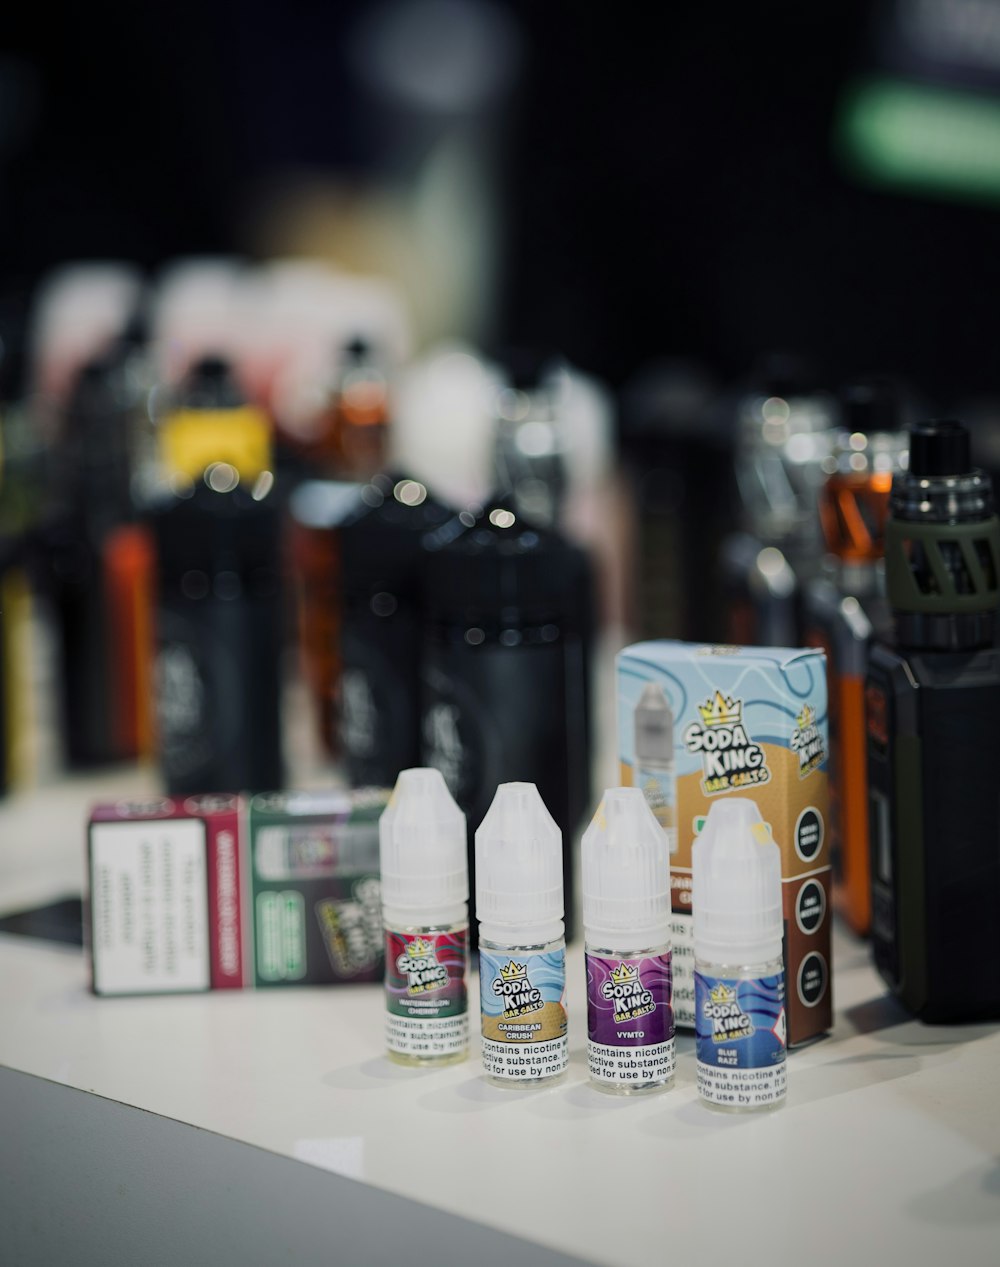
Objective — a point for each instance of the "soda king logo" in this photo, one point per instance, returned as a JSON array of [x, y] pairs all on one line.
[[730, 758], [518, 994], [630, 996], [807, 741], [729, 1021], [419, 965]]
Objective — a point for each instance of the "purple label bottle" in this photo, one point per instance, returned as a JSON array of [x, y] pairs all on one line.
[[630, 1018], [626, 917]]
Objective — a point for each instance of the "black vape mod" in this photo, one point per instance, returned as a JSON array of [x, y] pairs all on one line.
[[932, 703], [506, 666]]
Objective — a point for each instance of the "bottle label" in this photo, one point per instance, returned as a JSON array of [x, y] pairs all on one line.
[[524, 1014], [427, 1010], [630, 1019], [740, 1039]]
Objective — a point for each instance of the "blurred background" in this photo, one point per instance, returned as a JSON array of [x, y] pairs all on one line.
[[820, 177], [371, 372]]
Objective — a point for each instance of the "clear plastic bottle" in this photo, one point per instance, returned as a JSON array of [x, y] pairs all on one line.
[[739, 973], [522, 947], [425, 891], [654, 757], [626, 920]]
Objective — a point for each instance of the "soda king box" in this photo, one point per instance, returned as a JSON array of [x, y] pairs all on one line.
[[317, 913], [224, 892], [166, 911], [699, 722]]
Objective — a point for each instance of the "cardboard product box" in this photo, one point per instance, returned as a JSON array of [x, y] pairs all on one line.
[[316, 896], [699, 722], [165, 909], [225, 892]]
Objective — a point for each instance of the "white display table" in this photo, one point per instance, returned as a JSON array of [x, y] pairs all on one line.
[[887, 1147]]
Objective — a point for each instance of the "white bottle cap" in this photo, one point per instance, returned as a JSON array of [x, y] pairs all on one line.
[[736, 886], [626, 874], [654, 726], [423, 850], [519, 869]]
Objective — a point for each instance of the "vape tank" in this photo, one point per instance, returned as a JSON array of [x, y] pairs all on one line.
[[529, 448], [932, 707], [784, 438], [846, 608]]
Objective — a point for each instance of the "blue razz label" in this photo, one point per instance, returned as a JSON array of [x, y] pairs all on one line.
[[740, 1039]]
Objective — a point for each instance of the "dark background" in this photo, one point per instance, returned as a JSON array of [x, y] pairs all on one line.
[[671, 179]]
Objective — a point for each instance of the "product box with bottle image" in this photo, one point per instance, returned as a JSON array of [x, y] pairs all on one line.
[[226, 892], [698, 722]]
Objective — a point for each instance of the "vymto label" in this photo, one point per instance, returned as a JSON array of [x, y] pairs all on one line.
[[523, 999], [630, 1019]]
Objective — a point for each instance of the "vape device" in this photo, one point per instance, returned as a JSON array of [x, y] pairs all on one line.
[[932, 703], [784, 438], [506, 665], [98, 568], [845, 609]]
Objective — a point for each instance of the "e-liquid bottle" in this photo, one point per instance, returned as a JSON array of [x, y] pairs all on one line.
[[360, 412], [932, 702], [739, 975], [654, 757], [425, 894], [522, 948], [626, 921]]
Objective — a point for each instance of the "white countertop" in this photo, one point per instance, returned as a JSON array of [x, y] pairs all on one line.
[[888, 1143]]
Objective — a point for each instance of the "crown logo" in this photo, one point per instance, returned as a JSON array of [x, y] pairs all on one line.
[[420, 949], [722, 993], [720, 711], [806, 718], [624, 973], [514, 971]]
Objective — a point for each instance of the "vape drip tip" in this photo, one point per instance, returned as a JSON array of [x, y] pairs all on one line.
[[868, 452], [942, 544]]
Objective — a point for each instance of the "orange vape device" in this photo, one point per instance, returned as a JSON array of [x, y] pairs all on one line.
[[844, 610]]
